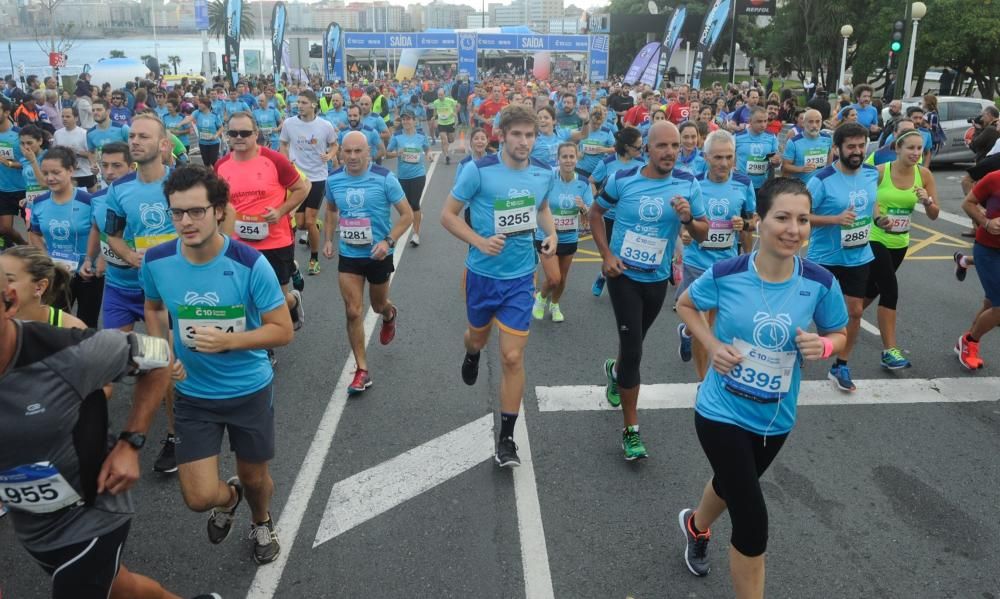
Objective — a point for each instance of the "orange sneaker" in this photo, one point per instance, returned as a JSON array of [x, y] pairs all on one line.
[[968, 353]]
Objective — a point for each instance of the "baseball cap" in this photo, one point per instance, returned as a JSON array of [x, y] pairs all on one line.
[[328, 91]]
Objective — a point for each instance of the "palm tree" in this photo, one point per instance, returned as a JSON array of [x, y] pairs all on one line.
[[145, 57], [217, 20], [117, 54], [174, 61]]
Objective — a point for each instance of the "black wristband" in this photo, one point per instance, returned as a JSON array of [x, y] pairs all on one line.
[[688, 221]]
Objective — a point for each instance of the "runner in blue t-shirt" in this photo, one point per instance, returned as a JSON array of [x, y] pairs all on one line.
[[375, 145], [412, 151], [179, 124], [808, 151], [729, 202], [766, 301], [106, 130], [843, 200], [652, 204], [232, 105], [756, 149], [360, 197], [11, 179], [115, 163], [226, 308], [268, 122], [569, 202], [690, 158], [209, 128], [597, 142], [628, 154], [507, 195]]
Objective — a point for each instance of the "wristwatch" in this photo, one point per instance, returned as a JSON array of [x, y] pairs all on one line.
[[389, 241], [136, 440]]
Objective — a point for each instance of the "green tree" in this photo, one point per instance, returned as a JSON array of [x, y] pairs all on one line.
[[217, 20], [117, 54], [175, 62]]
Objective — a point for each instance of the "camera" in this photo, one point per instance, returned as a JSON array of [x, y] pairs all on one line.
[[976, 120]]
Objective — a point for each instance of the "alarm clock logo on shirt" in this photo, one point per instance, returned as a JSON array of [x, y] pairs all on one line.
[[859, 200], [771, 332], [355, 197], [650, 209], [567, 201], [718, 208], [153, 216], [193, 298], [59, 229]]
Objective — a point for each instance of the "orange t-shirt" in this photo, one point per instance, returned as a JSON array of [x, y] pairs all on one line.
[[254, 186]]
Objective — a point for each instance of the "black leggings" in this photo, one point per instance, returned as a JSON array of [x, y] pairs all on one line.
[[636, 307], [882, 281], [739, 458], [209, 154], [87, 295], [413, 189], [85, 570]]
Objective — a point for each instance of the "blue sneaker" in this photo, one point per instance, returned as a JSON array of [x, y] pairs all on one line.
[[598, 287], [684, 349], [841, 377], [893, 359]]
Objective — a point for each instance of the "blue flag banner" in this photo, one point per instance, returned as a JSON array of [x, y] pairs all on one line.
[[331, 50], [715, 20], [671, 39], [278, 18], [647, 55], [234, 13], [467, 55], [599, 47]]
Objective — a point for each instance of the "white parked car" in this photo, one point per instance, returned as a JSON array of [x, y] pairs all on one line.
[[954, 113]]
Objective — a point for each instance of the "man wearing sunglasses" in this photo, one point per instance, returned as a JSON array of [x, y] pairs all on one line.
[[120, 113], [226, 308], [264, 189]]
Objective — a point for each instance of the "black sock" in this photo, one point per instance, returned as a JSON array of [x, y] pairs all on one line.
[[841, 362], [507, 425], [474, 356], [314, 255], [970, 338]]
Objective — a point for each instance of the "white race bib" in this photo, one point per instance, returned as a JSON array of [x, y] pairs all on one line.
[[36, 488], [641, 252], [855, 235], [109, 254], [566, 219], [899, 220], [592, 148], [818, 160], [756, 166], [6, 152], [253, 228], [720, 235], [68, 260], [228, 319], [206, 135], [763, 375], [356, 231], [514, 216], [410, 155]]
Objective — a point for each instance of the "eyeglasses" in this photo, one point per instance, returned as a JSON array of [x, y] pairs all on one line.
[[636, 148], [239, 133], [196, 213]]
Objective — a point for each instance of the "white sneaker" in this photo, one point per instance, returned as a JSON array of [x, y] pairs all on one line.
[[415, 240]]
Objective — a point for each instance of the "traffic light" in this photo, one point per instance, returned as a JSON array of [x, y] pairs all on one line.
[[897, 36]]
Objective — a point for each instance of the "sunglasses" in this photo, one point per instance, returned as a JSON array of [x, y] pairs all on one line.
[[239, 133]]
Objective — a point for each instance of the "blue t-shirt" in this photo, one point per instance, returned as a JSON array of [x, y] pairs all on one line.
[[591, 146], [764, 315], [365, 204], [546, 147], [411, 148], [121, 114], [248, 99], [370, 134], [147, 221], [802, 150], [232, 108], [292, 102], [722, 201], [218, 106], [867, 116], [97, 138], [693, 163], [337, 118], [646, 226], [565, 212], [173, 124], [267, 121], [230, 292], [751, 155], [498, 195], [161, 111], [208, 123], [65, 227], [607, 167], [11, 179], [833, 192], [419, 112], [374, 121]]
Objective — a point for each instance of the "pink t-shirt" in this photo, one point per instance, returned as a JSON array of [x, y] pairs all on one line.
[[254, 186]]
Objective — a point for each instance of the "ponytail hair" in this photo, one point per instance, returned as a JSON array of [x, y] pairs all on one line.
[[624, 138], [40, 266]]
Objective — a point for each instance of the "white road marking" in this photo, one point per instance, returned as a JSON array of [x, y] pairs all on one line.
[[956, 219], [265, 582], [534, 553], [869, 327], [361, 497], [572, 398]]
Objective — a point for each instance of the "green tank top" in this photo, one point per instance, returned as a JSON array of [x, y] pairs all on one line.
[[897, 204], [55, 317]]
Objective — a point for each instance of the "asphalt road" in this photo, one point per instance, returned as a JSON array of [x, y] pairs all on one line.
[[865, 500]]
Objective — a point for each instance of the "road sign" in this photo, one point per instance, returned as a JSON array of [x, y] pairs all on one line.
[[57, 60]]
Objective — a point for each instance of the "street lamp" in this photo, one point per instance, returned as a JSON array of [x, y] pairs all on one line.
[[845, 32], [917, 12]]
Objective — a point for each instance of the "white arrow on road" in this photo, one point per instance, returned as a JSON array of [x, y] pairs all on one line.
[[367, 494]]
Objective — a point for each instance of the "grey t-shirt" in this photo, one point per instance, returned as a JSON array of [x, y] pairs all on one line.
[[52, 410], [307, 141]]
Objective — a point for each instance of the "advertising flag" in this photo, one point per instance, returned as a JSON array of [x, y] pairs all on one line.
[[278, 17], [648, 55], [715, 20], [671, 39], [331, 49], [234, 14]]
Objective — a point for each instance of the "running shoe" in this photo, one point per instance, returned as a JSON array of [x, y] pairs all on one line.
[[415, 240], [611, 391], [632, 445], [557, 315], [598, 288], [388, 331], [841, 377], [447, 159], [361, 382], [298, 283], [538, 310], [696, 545], [968, 353], [209, 596], [265, 542], [166, 461], [313, 267], [298, 311], [470, 368], [960, 271], [684, 348], [303, 238], [506, 455], [893, 359], [220, 522]]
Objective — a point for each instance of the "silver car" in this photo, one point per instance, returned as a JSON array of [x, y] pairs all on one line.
[[954, 113]]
